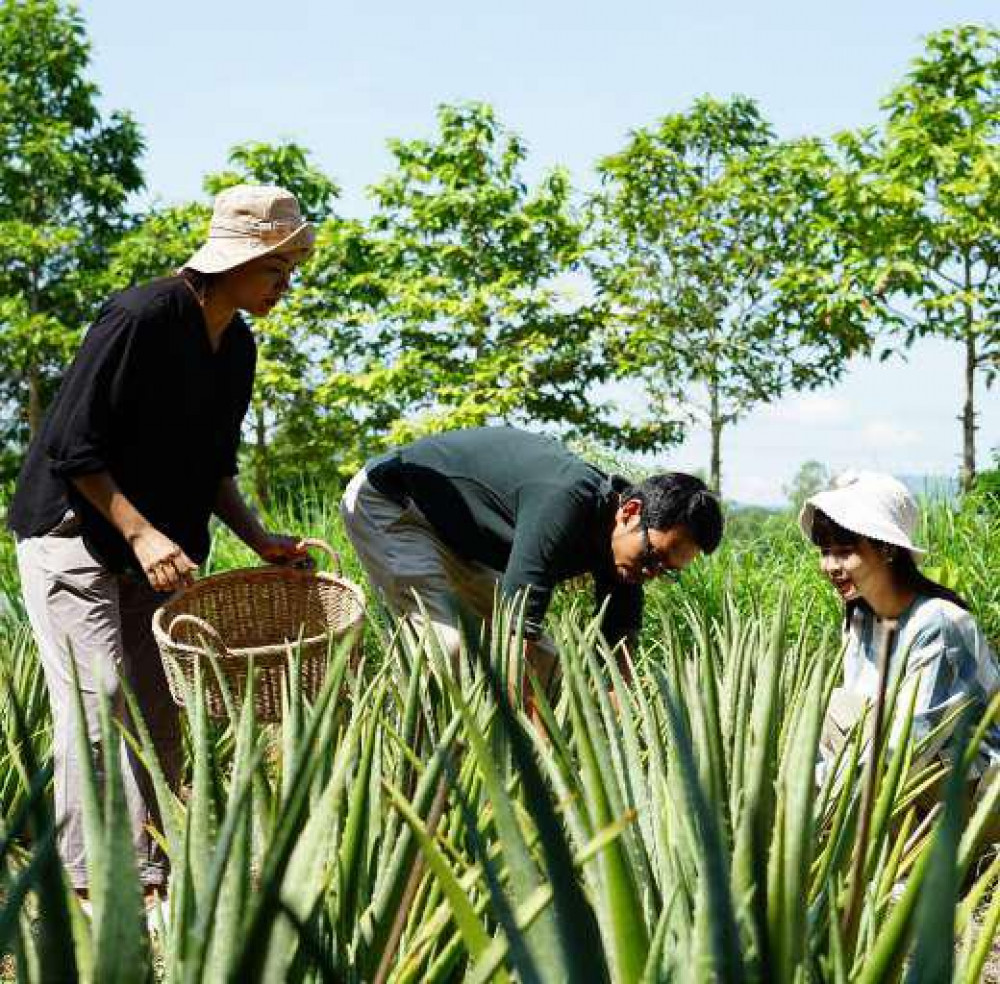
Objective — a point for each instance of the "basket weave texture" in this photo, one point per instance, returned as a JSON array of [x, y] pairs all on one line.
[[262, 614]]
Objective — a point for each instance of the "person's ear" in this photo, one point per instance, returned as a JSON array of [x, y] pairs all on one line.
[[630, 509]]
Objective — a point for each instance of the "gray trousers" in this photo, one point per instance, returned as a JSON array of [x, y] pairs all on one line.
[[78, 608], [404, 557]]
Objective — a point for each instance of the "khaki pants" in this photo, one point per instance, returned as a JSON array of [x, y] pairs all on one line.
[[404, 558], [78, 608]]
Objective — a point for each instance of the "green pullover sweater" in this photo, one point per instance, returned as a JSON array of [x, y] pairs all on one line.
[[523, 505]]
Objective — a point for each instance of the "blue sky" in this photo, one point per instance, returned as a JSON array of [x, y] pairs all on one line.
[[572, 79]]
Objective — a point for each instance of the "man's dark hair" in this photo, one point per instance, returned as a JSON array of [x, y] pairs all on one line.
[[676, 499]]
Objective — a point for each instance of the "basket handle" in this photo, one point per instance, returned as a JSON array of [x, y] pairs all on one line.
[[315, 543], [202, 626]]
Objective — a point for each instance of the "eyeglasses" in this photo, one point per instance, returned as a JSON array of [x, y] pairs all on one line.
[[653, 565]]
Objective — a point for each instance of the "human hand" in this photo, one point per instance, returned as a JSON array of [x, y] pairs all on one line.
[[280, 548], [166, 566]]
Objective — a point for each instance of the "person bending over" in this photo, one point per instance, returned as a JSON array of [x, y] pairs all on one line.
[[453, 517]]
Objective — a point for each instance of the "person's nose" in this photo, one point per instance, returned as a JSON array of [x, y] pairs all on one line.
[[829, 564]]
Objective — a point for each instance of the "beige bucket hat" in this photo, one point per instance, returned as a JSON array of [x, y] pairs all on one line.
[[870, 504], [250, 221]]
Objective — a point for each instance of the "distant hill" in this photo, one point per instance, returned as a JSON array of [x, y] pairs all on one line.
[[932, 486], [944, 487]]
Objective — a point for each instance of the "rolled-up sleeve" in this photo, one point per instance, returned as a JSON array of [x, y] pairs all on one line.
[[81, 422]]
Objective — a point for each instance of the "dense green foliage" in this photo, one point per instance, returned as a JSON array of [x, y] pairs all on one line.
[[716, 268], [719, 269], [65, 176], [919, 201]]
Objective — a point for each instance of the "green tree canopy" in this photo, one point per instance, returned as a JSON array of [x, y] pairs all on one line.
[[467, 324], [716, 270], [921, 205], [65, 176]]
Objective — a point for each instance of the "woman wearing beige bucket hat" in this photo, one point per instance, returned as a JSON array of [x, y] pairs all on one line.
[[137, 452], [864, 528]]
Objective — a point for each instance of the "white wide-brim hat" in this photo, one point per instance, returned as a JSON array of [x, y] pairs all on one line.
[[251, 221], [870, 504]]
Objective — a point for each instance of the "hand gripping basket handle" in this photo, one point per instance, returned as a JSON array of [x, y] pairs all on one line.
[[316, 544], [202, 626]]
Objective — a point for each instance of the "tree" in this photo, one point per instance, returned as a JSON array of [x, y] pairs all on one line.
[[812, 477], [922, 199], [715, 269], [467, 325], [156, 244], [65, 177]]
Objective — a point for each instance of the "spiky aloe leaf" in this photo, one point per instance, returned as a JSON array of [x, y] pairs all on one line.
[[235, 883], [374, 924], [756, 821], [726, 947], [542, 940], [121, 947], [934, 955], [57, 958], [473, 932], [352, 858], [266, 906], [620, 908]]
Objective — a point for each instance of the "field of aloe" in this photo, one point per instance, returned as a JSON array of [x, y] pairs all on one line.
[[408, 827]]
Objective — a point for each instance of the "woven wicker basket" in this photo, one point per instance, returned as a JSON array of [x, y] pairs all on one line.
[[256, 613]]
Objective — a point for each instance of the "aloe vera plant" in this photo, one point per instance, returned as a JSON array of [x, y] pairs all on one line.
[[409, 826]]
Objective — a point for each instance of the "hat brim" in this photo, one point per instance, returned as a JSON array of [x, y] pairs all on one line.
[[828, 503], [220, 255]]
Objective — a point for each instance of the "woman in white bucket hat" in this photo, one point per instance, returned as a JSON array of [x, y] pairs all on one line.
[[864, 528], [137, 452]]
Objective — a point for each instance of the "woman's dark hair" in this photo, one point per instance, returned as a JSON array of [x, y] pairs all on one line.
[[826, 534], [201, 283], [676, 499]]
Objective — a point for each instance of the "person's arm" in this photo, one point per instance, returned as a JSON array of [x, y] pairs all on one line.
[[80, 431], [80, 428], [942, 670], [547, 526], [232, 509], [165, 565], [622, 605]]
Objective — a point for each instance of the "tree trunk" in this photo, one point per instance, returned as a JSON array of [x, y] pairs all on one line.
[[35, 410], [262, 470], [968, 417], [969, 411], [715, 420]]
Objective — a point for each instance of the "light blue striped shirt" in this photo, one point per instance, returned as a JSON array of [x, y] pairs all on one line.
[[947, 660]]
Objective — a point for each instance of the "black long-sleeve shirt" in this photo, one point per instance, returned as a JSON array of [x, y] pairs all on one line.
[[147, 400], [522, 504]]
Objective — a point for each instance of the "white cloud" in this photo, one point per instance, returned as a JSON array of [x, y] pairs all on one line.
[[814, 409], [884, 435], [756, 489]]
